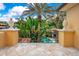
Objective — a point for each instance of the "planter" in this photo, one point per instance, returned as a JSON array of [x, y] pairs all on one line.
[[24, 40]]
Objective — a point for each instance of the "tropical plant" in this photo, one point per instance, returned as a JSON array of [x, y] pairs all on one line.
[[38, 28], [29, 29], [21, 24], [38, 9], [57, 20]]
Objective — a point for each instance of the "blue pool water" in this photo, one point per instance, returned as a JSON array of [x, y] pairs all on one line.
[[47, 40]]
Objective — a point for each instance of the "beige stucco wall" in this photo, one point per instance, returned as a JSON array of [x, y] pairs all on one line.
[[73, 22], [72, 10]]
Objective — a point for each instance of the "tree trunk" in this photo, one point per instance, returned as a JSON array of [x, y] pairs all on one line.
[[39, 18], [39, 28]]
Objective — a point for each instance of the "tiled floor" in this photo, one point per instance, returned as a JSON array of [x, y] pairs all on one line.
[[38, 49]]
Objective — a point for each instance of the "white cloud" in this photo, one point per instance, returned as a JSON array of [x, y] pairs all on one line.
[[15, 11], [2, 7]]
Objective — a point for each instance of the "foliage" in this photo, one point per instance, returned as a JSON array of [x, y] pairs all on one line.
[[30, 28], [57, 21], [3, 23], [35, 30], [21, 24], [38, 9], [38, 28]]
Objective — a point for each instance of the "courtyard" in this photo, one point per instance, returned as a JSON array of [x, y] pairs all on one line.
[[40, 30], [38, 49]]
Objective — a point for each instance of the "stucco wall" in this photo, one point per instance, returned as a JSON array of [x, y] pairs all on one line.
[[73, 22]]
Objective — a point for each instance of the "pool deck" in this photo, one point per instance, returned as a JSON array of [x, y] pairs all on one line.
[[38, 49]]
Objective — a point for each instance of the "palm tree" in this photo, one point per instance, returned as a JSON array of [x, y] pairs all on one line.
[[39, 10]]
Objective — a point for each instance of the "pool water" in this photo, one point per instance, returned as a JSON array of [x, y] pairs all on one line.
[[47, 40]]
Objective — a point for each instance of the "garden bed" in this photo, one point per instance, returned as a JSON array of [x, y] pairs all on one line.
[[24, 40]]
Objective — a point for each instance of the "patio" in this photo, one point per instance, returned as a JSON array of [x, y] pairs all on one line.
[[33, 36], [38, 49]]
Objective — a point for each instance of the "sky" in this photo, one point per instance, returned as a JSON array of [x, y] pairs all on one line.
[[14, 10]]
